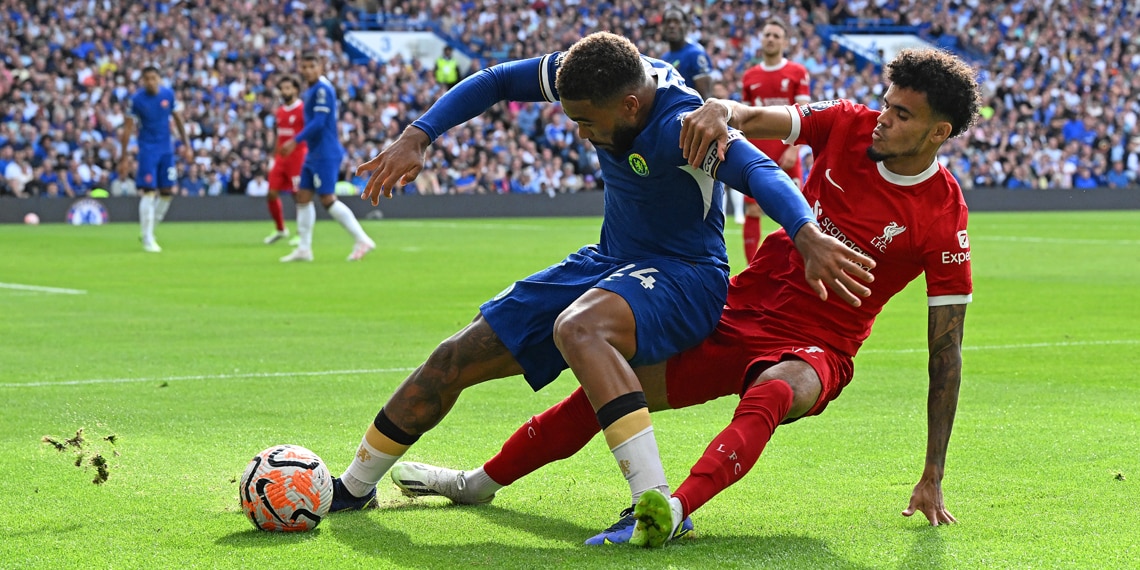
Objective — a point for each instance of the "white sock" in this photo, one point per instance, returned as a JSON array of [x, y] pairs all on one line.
[[479, 483], [347, 219], [146, 217], [306, 218], [161, 206], [367, 468], [641, 464]]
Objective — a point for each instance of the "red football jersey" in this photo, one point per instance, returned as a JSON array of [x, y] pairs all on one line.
[[907, 224], [787, 83], [290, 121]]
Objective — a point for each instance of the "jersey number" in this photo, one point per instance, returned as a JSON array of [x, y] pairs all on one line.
[[642, 275]]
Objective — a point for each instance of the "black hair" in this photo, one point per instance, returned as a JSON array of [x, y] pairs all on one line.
[[671, 7], [149, 69], [310, 56], [289, 79], [598, 68], [950, 85]]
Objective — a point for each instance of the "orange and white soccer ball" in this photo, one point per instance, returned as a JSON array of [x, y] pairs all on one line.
[[286, 488]]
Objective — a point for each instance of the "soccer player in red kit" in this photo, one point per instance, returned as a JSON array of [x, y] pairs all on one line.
[[876, 186], [774, 81], [285, 170]]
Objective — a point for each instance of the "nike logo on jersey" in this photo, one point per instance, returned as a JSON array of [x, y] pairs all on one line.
[[827, 175]]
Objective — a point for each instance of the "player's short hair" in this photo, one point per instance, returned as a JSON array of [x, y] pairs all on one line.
[[598, 68], [778, 22], [311, 56], [950, 85], [671, 7], [150, 69], [289, 79]]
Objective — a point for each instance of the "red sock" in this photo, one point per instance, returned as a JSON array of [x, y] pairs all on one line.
[[735, 449], [751, 236], [277, 213], [555, 434]]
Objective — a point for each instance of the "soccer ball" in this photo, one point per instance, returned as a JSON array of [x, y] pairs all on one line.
[[31, 219], [286, 488]]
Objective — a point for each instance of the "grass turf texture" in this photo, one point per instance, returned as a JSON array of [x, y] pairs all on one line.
[[199, 357]]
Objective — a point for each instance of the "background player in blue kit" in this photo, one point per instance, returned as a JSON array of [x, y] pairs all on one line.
[[321, 169], [151, 109], [654, 285], [688, 57]]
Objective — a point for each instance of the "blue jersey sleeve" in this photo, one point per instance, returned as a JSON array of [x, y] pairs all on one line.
[[325, 100], [523, 80], [748, 170]]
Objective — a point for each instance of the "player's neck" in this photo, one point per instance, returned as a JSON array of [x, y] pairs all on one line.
[[910, 165], [677, 45], [771, 61]]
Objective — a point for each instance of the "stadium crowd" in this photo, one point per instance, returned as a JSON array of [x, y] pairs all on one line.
[[1060, 76]]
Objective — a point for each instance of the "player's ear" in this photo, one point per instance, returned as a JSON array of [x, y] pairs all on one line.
[[630, 105], [940, 132]]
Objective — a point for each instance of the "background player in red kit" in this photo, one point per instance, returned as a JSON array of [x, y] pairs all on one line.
[[285, 169], [773, 81], [876, 186]]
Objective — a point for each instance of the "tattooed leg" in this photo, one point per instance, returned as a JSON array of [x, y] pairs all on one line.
[[473, 355]]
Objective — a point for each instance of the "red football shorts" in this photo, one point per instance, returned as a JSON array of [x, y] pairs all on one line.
[[284, 172], [744, 344]]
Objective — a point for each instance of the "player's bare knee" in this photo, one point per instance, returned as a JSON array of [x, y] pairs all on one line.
[[573, 330]]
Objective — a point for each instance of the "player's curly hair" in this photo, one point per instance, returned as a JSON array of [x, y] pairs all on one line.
[[598, 68], [950, 85]]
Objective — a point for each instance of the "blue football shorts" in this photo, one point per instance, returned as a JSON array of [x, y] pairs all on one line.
[[320, 177], [675, 303], [156, 169]]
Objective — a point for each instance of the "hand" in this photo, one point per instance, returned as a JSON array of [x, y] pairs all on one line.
[[286, 147], [703, 128], [927, 497], [396, 165], [827, 260], [789, 158], [187, 153]]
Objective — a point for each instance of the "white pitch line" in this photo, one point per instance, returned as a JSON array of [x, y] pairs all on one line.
[[205, 377], [39, 289], [387, 370], [1012, 346], [1071, 241]]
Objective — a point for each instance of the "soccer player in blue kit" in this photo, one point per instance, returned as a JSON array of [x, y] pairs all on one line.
[[654, 285], [321, 169], [688, 57], [151, 109]]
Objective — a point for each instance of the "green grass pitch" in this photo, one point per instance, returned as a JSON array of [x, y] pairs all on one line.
[[198, 358]]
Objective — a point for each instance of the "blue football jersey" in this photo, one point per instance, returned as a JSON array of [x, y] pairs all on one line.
[[691, 61], [320, 131], [656, 205], [151, 114]]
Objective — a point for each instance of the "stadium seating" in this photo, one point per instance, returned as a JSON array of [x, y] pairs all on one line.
[[1059, 80]]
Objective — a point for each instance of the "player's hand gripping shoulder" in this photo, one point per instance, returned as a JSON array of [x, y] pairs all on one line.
[[927, 497], [828, 263], [705, 127], [397, 165]]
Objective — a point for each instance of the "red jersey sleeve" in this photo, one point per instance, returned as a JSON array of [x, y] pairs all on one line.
[[814, 124], [946, 259], [803, 86]]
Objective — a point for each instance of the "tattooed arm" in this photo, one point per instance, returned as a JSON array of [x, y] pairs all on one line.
[[944, 335]]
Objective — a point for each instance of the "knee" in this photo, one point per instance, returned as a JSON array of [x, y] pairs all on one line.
[[571, 329], [805, 393]]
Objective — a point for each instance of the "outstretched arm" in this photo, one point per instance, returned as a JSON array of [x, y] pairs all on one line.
[[709, 125], [400, 163], [944, 331]]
